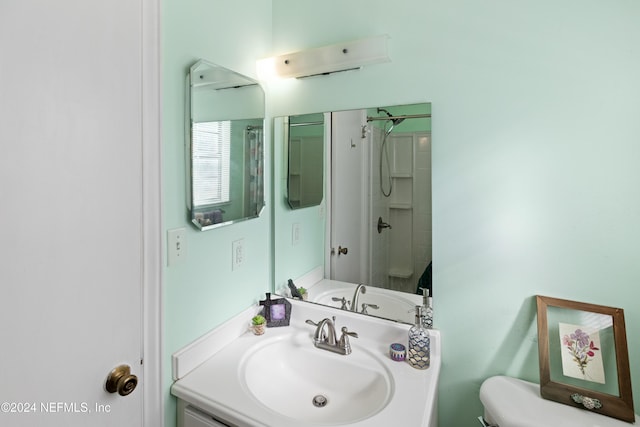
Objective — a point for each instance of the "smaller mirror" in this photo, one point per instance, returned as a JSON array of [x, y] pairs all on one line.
[[305, 176], [225, 118]]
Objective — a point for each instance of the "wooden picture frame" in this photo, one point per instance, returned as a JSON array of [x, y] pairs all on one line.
[[583, 354]]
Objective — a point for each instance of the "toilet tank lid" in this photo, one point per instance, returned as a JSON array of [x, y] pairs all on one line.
[[512, 402]]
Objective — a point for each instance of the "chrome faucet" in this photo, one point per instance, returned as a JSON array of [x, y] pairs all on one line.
[[325, 336], [360, 289]]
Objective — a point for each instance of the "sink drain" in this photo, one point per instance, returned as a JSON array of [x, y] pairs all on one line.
[[319, 401]]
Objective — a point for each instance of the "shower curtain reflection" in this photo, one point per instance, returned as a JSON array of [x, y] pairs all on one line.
[[255, 159]]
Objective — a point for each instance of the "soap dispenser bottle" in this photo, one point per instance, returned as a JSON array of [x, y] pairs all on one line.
[[419, 355], [427, 304]]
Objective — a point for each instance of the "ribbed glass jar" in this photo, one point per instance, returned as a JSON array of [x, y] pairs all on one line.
[[419, 355]]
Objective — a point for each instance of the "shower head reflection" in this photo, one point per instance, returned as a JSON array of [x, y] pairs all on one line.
[[394, 121]]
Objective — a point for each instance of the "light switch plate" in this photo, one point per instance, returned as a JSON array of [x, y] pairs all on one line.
[[176, 246], [295, 234]]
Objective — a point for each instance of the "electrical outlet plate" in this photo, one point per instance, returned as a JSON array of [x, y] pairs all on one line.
[[176, 246]]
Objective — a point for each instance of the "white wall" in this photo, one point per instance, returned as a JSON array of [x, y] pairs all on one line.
[[535, 145]]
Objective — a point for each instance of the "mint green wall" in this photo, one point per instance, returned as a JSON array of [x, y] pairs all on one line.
[[203, 292], [535, 152], [535, 145]]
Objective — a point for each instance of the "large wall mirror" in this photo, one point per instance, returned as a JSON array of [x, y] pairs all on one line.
[[374, 225], [224, 137]]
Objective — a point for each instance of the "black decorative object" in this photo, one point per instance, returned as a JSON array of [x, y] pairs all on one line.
[[276, 311], [295, 293]]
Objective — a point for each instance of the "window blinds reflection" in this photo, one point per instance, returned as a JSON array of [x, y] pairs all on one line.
[[211, 152]]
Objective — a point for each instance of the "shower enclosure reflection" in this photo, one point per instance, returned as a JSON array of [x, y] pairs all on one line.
[[381, 196]]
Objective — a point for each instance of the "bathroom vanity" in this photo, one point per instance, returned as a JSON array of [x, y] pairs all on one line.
[[231, 377]]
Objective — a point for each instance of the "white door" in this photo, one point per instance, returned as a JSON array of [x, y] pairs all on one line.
[[348, 210], [71, 210]]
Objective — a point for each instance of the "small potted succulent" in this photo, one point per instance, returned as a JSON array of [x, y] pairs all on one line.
[[258, 324], [304, 293]]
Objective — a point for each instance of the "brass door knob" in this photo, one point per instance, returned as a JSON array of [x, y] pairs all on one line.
[[121, 380], [342, 250]]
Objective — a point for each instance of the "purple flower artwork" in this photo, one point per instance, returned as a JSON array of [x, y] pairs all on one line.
[[581, 355]]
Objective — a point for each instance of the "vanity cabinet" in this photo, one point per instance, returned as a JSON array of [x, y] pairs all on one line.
[[189, 416]]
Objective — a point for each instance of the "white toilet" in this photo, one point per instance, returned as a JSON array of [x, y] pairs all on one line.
[[510, 402]]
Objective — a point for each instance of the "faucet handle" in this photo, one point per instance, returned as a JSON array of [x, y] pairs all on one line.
[[342, 301], [323, 334], [344, 340], [345, 331], [365, 306], [319, 335]]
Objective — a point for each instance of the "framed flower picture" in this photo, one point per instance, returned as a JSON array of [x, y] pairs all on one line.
[[583, 355]]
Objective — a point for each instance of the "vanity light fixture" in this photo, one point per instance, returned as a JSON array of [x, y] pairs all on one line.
[[326, 60]]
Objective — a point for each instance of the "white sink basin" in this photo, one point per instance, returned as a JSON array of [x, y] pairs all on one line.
[[295, 379], [271, 380]]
